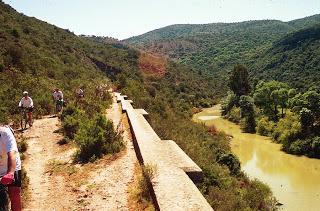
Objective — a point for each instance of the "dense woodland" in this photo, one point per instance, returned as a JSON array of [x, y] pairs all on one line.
[[275, 109], [38, 57], [271, 49]]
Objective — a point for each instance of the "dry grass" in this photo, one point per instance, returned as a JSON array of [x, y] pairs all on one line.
[[154, 65], [139, 196]]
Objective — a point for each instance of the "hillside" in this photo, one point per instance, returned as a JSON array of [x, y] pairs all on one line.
[[215, 48], [293, 59], [38, 57]]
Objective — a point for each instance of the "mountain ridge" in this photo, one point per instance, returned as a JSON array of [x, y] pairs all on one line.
[[215, 48]]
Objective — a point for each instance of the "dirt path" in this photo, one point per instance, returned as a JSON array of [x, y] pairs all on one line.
[[108, 188], [46, 192], [102, 185]]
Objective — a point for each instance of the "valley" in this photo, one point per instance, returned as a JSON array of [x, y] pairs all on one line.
[[292, 179], [173, 73]]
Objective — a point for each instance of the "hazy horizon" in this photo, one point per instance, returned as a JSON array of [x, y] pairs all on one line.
[[122, 19]]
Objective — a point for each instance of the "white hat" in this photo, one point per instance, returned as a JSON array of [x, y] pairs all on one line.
[[25, 93]]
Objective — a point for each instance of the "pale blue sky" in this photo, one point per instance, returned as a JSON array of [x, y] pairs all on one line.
[[125, 18]]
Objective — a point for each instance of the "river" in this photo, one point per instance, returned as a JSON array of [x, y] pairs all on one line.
[[294, 180]]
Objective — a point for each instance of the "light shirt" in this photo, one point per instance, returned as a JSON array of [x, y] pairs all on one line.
[[26, 103], [57, 95], [79, 92], [7, 144]]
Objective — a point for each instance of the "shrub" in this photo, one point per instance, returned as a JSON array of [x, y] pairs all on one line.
[[72, 117], [259, 196], [22, 146], [70, 126], [70, 110], [231, 161], [299, 147], [315, 146], [97, 137], [288, 129], [248, 124], [15, 33], [230, 101], [1, 67], [265, 127], [234, 115], [148, 173], [225, 199], [44, 104], [15, 55], [25, 184]]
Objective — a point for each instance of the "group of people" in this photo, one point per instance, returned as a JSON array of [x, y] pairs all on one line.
[[10, 163], [27, 103]]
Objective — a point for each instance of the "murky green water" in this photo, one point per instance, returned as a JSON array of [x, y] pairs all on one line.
[[294, 180]]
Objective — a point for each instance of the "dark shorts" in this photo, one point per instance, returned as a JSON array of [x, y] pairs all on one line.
[[17, 179]]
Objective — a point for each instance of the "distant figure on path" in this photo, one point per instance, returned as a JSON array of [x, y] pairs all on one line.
[[58, 100], [27, 103]]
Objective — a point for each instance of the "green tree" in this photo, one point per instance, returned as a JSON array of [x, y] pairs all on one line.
[[306, 119], [283, 99], [247, 112], [312, 102], [238, 80], [270, 95]]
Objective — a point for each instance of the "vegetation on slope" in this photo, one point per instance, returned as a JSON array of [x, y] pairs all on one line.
[[46, 56], [39, 57], [293, 59], [224, 185], [213, 49]]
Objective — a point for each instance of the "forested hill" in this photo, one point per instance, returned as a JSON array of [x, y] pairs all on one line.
[[294, 59], [216, 48]]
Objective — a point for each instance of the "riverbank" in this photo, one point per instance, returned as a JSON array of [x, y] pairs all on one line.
[[293, 179]]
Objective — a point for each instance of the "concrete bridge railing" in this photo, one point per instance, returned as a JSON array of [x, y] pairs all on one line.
[[172, 187]]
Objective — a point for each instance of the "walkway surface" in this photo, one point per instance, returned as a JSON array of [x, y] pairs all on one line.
[[104, 184], [108, 188], [46, 192]]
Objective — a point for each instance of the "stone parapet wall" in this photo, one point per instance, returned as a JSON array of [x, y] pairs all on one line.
[[172, 186]]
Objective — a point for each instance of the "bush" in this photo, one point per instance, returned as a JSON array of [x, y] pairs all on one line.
[[70, 126], [248, 124], [72, 118], [231, 161], [299, 147], [22, 146], [44, 104], [288, 129], [234, 115], [96, 138], [15, 33], [265, 127], [230, 101], [316, 146], [1, 67], [259, 196], [70, 110]]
